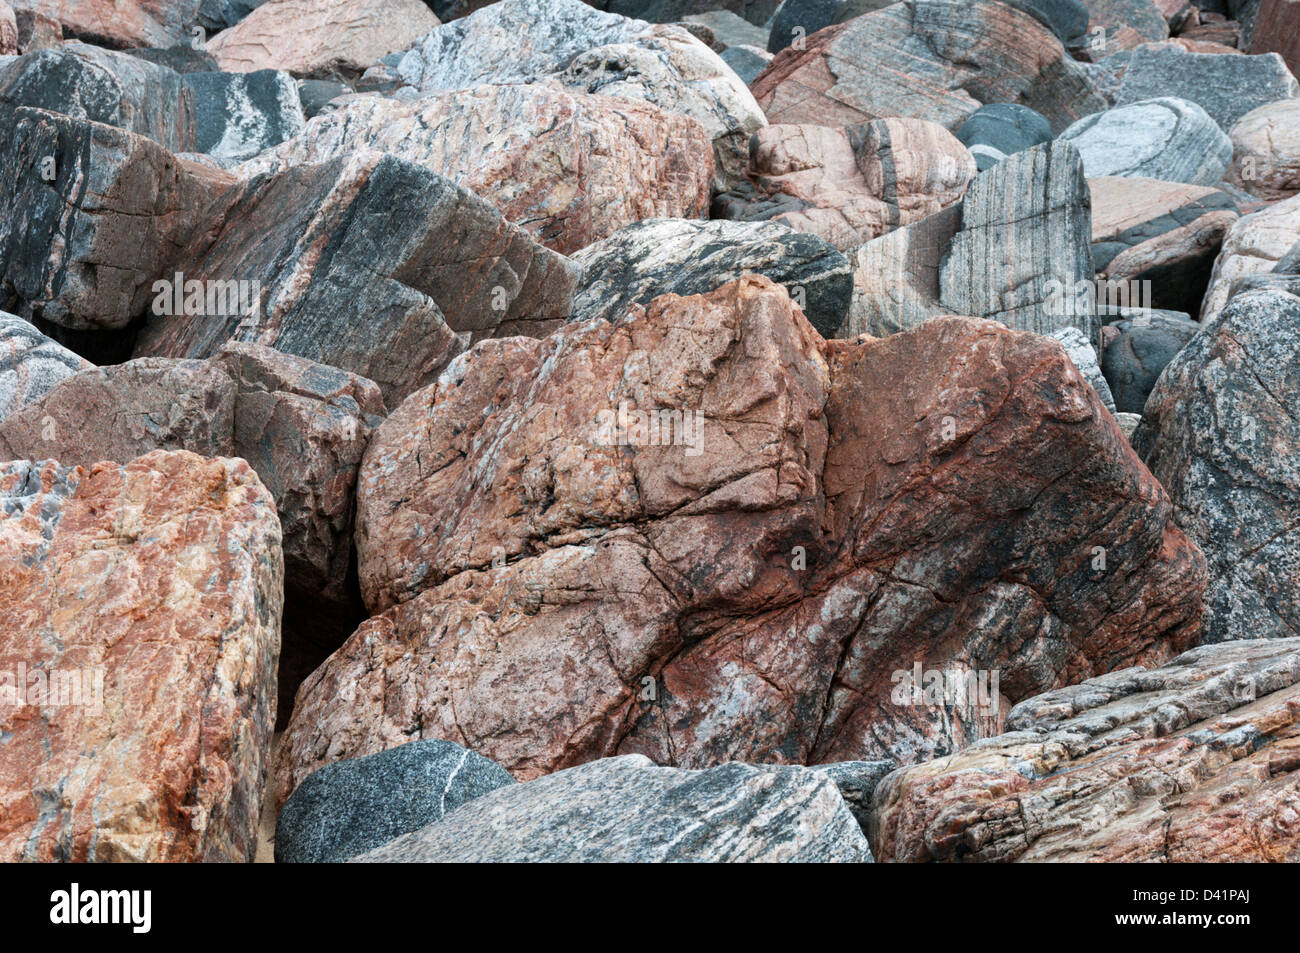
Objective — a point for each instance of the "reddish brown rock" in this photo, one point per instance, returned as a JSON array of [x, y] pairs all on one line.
[[36, 31], [548, 594], [852, 184], [1277, 30], [8, 30], [119, 23], [154, 589]]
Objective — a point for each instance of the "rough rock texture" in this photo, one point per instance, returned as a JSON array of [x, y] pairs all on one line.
[[853, 184], [315, 237], [119, 23], [796, 20], [30, 365], [998, 130], [857, 782], [36, 31], [1277, 30], [1195, 761], [676, 256], [8, 30], [1225, 86], [746, 61], [1252, 246], [1266, 150], [165, 576], [1170, 139], [1140, 345], [628, 810], [182, 59], [1221, 433], [552, 588], [525, 41], [321, 38], [933, 59], [236, 116], [1117, 25], [348, 807], [1144, 230], [84, 249], [670, 11], [570, 168], [1084, 357], [1023, 246]]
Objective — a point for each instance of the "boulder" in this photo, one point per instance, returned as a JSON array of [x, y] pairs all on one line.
[[119, 23], [185, 58], [931, 59], [1190, 762], [757, 12], [1083, 356], [570, 168], [1253, 246], [237, 115], [36, 31], [1276, 29], [348, 807], [1169, 139], [1266, 150], [8, 30], [1221, 434], [216, 15], [30, 364], [556, 579], [143, 605], [746, 61], [1117, 25], [729, 29], [1141, 344], [796, 20], [998, 130]]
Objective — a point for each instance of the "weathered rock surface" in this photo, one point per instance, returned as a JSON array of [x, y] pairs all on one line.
[[30, 364], [183, 59], [676, 256], [998, 130], [849, 511], [36, 31], [1253, 246], [367, 263], [1277, 30], [164, 577], [856, 781], [1266, 150], [931, 59], [348, 807], [570, 168], [1117, 25], [1169, 139], [236, 116], [796, 20], [119, 23], [1083, 356], [1191, 762], [8, 30], [853, 184], [1221, 433], [628, 810], [1141, 344], [321, 38]]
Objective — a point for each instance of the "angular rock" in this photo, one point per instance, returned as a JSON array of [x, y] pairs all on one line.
[[367, 263], [677, 256], [36, 31], [746, 61], [1266, 150], [1221, 433], [236, 116], [1253, 246], [1117, 25], [1169, 139], [30, 365], [348, 807], [321, 38], [1276, 29], [856, 781], [1142, 345], [1084, 357], [570, 168], [8, 31], [315, 95], [729, 29], [1226, 87], [553, 587], [182, 59], [931, 59], [215, 15], [998, 130], [159, 584], [119, 23], [628, 810], [1190, 762], [796, 20]]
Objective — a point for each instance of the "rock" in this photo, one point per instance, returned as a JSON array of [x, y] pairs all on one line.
[[1023, 247], [1190, 762], [315, 95], [1266, 150], [1084, 357], [628, 810], [1220, 433], [84, 250], [1169, 139], [896, 276], [1116, 25], [648, 588], [1252, 246], [325, 39], [856, 781], [1277, 30], [931, 59], [453, 272], [998, 130], [1154, 243], [570, 168], [118, 23], [8, 30], [30, 365], [527, 41], [236, 116], [154, 589], [1128, 423], [216, 15], [183, 59], [746, 61], [36, 31], [1145, 342], [1226, 87], [677, 256], [853, 184], [756, 12], [796, 20], [850, 9], [1224, 34], [729, 29], [348, 807]]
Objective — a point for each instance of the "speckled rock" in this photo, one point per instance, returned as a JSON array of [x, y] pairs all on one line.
[[1253, 246], [119, 23], [1169, 139], [1266, 150], [30, 364], [1140, 346]]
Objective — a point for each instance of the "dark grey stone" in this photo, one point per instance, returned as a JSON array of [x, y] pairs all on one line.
[[998, 130], [746, 61], [856, 781], [182, 59], [800, 19], [1146, 341], [237, 115], [215, 15], [315, 94]]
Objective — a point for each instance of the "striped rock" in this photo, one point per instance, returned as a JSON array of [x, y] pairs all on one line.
[[1170, 139], [1266, 150]]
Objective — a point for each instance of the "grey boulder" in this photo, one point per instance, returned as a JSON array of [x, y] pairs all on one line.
[[1169, 139], [30, 364], [1139, 346]]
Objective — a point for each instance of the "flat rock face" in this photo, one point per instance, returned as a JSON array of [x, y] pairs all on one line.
[[628, 810], [1191, 762], [933, 59], [1164, 233], [84, 249], [1220, 432], [557, 580], [1169, 139], [1252, 246], [349, 807], [996, 131], [1023, 246], [853, 184], [310, 240], [676, 256], [1141, 346], [525, 41], [1266, 150], [30, 364], [119, 23], [570, 168], [1225, 86], [321, 38], [1277, 30], [158, 584], [237, 116]]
